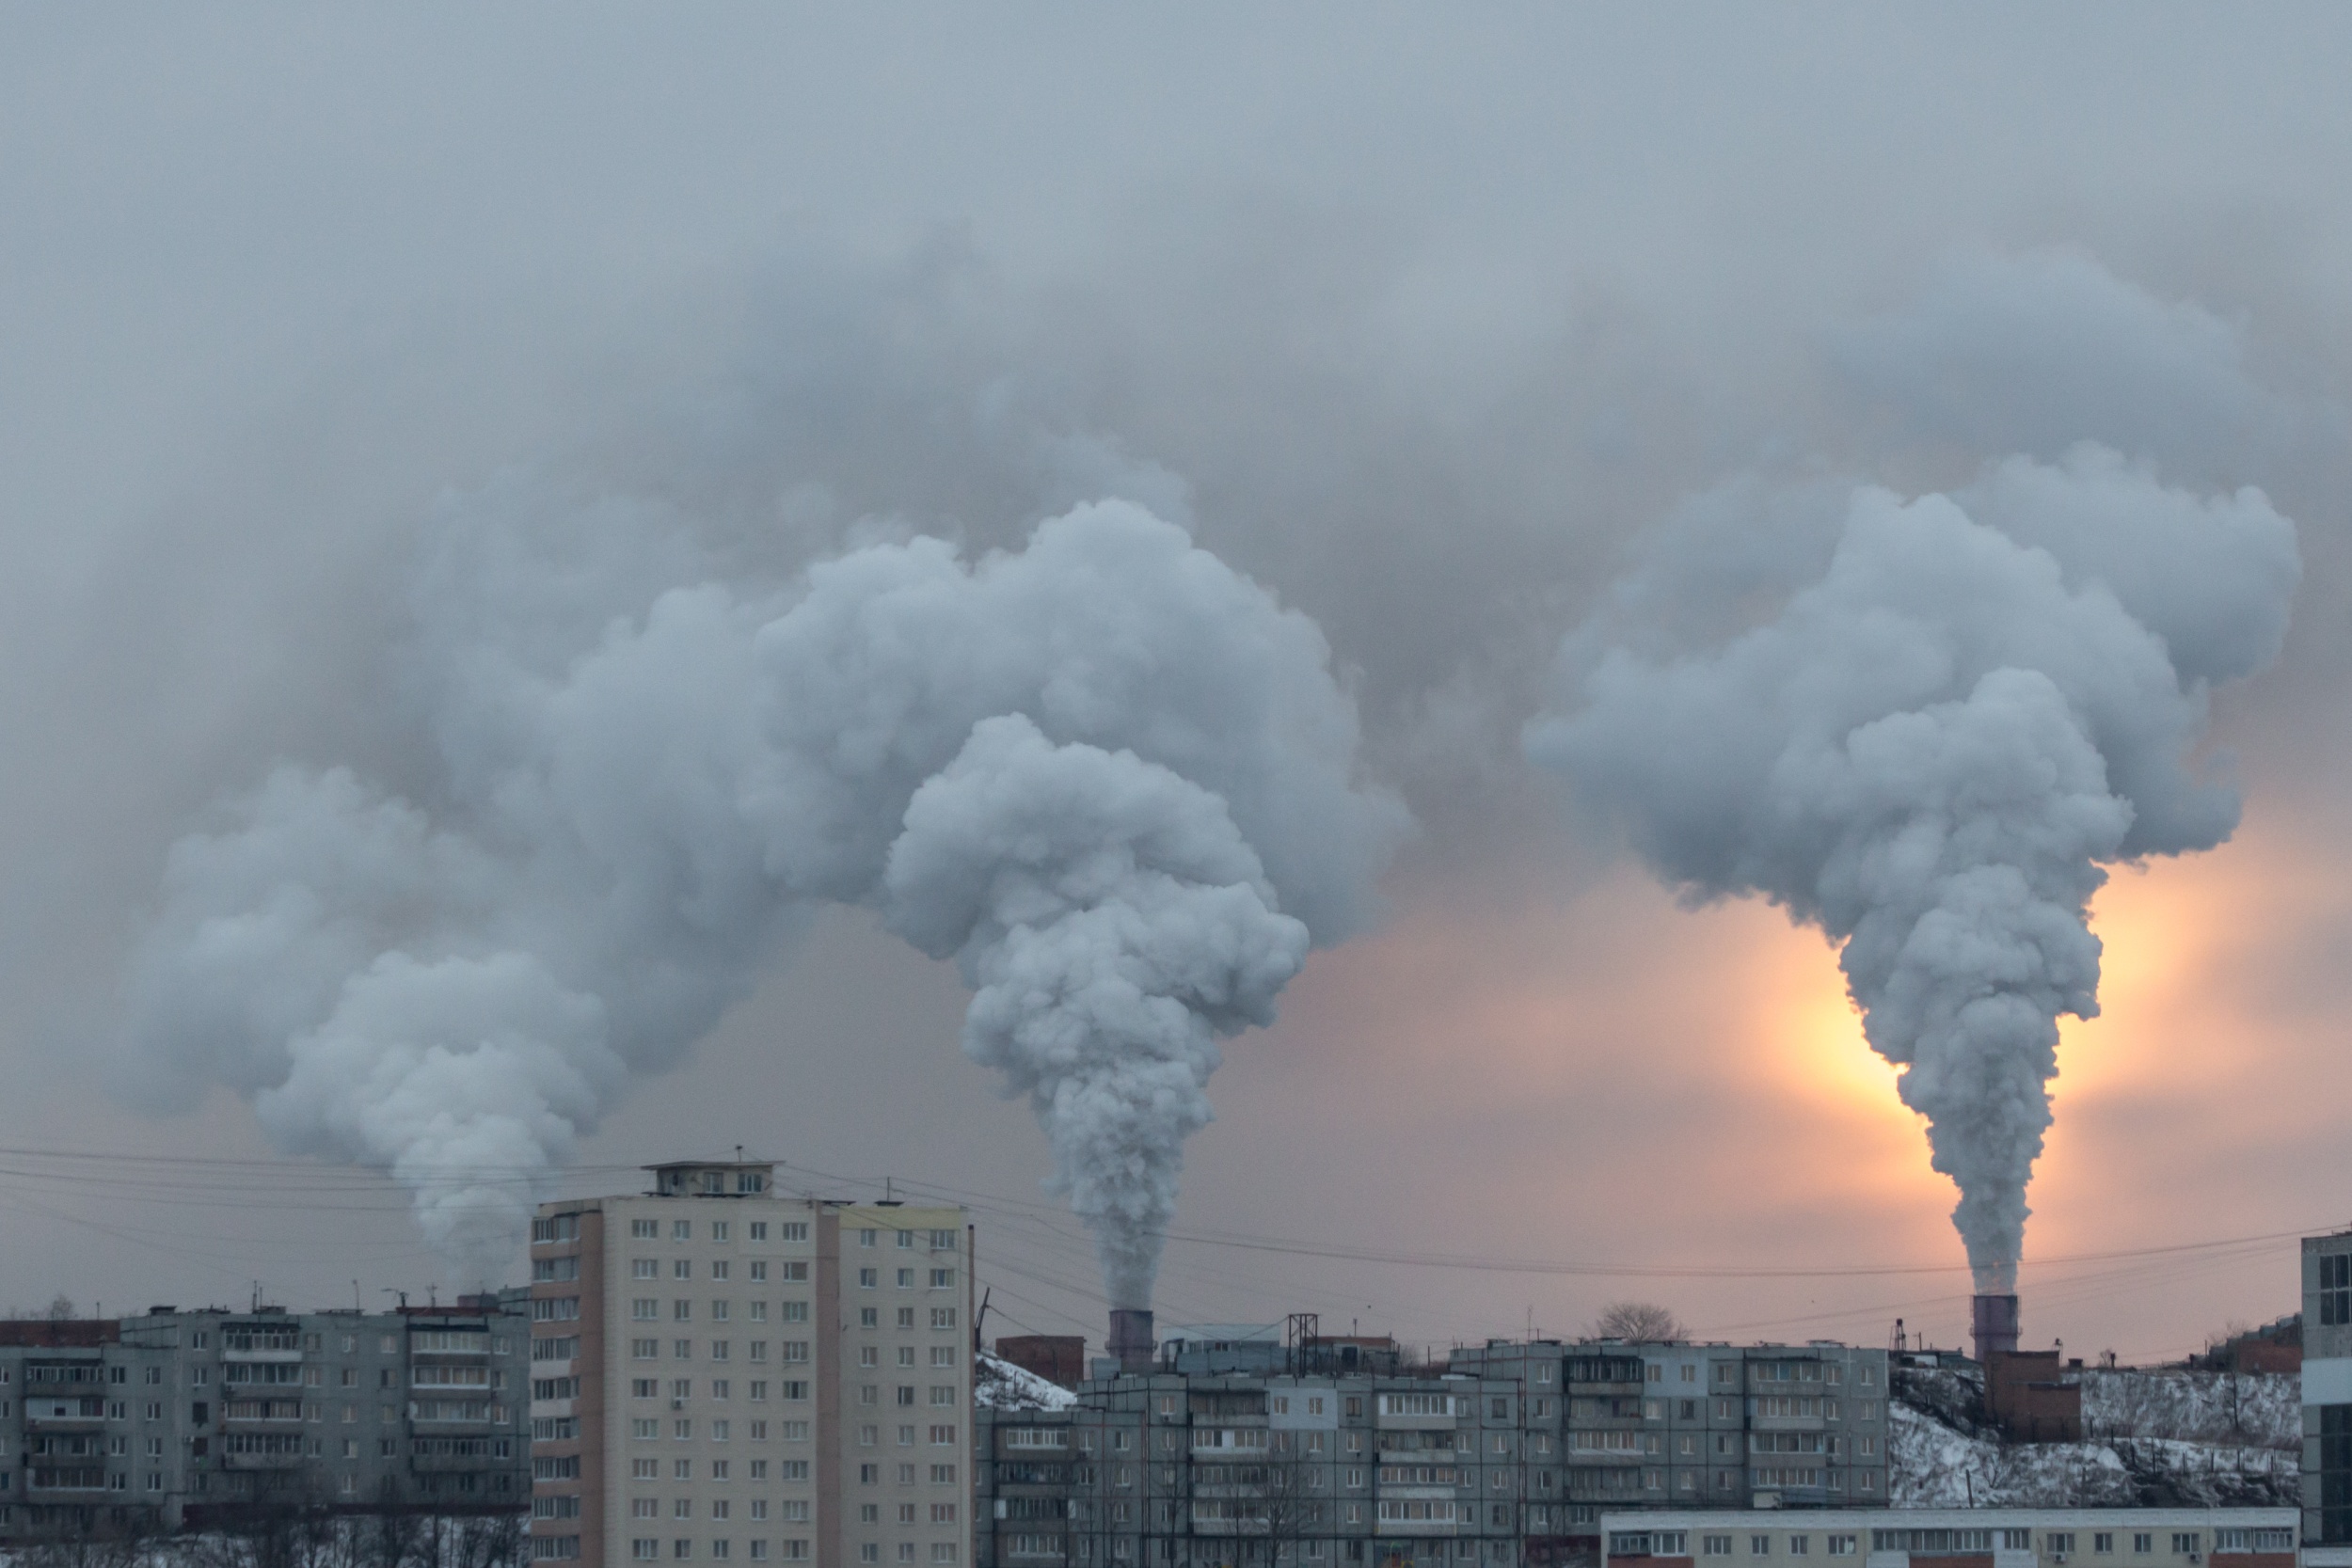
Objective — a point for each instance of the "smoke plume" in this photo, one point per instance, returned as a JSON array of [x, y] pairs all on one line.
[[1111, 778], [1962, 707]]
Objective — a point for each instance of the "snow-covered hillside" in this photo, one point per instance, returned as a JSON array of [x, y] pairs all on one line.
[[2155, 1439]]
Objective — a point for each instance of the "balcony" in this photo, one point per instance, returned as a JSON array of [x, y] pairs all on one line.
[[262, 1461], [66, 1478], [247, 1412], [45, 1413]]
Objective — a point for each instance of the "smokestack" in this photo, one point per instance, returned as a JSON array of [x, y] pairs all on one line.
[[1992, 1323], [1131, 1343]]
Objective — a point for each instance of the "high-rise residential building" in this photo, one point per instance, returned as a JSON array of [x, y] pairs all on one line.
[[2327, 1401], [722, 1373], [174, 1420]]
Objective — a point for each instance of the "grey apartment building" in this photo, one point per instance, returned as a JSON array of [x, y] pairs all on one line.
[[1507, 1457], [2327, 1527], [177, 1418], [1718, 1426], [725, 1374]]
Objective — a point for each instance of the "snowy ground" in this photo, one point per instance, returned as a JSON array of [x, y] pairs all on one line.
[[2158, 1439]]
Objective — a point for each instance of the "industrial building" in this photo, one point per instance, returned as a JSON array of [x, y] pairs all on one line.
[[722, 1373], [1955, 1538], [173, 1419], [2327, 1400], [1507, 1455]]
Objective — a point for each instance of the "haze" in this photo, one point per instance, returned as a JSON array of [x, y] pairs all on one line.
[[1424, 320]]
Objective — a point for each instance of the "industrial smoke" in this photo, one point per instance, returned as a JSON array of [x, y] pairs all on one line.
[[1926, 727], [1111, 778]]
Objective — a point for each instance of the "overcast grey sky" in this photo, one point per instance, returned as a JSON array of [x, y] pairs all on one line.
[[1422, 317]]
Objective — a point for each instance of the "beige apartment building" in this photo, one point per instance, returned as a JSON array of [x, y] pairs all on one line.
[[722, 1374]]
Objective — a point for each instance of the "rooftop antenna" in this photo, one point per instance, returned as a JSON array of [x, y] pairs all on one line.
[[739, 1154], [355, 1297], [401, 1294]]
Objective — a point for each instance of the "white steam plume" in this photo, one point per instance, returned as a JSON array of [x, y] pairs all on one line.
[[1112, 778], [1931, 751]]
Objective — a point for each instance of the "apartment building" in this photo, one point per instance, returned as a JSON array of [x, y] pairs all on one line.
[[180, 1419], [1953, 1538], [1174, 1468], [722, 1373], [1702, 1425], [2326, 1523], [1507, 1457]]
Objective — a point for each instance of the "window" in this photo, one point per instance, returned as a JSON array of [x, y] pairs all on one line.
[[681, 1230], [2058, 1541], [645, 1308], [645, 1469], [866, 1238], [643, 1550], [943, 1279], [2185, 1542], [1714, 1546], [906, 1279], [2102, 1542], [1841, 1545], [1759, 1545], [793, 1230], [718, 1230], [645, 1268], [2335, 1288], [2143, 1541], [759, 1231], [682, 1350], [644, 1231], [645, 1349], [869, 1278]]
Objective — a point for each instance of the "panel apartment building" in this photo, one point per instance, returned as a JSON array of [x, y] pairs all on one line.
[[1722, 1426], [177, 1418], [724, 1374], [1508, 1458]]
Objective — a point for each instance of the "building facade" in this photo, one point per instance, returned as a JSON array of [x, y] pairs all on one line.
[[2327, 1400], [1719, 1426], [1954, 1538], [1509, 1456], [722, 1373], [180, 1419]]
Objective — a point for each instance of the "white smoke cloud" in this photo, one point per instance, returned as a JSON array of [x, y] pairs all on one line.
[[1930, 750], [1113, 924], [1112, 777]]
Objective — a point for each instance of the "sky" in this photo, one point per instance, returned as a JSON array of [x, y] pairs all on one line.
[[1430, 321]]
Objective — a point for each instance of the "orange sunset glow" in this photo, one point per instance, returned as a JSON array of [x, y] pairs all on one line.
[[1718, 1042]]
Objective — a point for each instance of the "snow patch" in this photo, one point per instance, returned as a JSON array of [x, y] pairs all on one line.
[[998, 1384]]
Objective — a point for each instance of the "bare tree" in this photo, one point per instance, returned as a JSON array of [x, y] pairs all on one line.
[[1289, 1501], [1643, 1321], [60, 1307], [92, 1546]]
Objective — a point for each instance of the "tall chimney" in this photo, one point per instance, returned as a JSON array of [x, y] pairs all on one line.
[[1131, 1343], [1992, 1323]]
